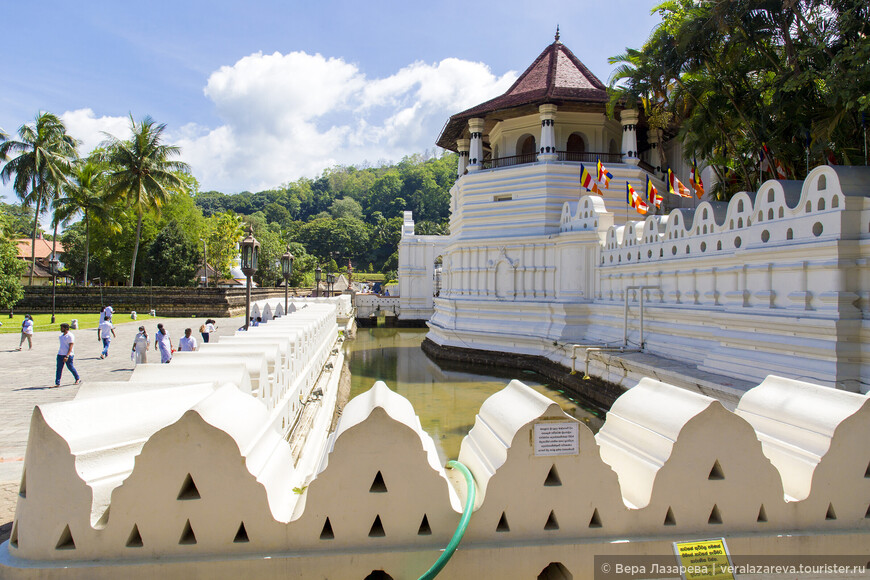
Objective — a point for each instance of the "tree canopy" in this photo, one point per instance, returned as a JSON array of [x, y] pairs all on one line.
[[733, 78]]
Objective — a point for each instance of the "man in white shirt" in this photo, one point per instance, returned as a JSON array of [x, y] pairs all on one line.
[[107, 312], [188, 343], [65, 355], [105, 334]]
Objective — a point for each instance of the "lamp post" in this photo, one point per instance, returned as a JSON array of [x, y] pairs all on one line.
[[318, 273], [205, 262], [287, 271], [250, 254], [330, 280], [53, 265], [100, 283]]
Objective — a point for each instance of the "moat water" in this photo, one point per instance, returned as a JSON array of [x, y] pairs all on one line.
[[446, 396]]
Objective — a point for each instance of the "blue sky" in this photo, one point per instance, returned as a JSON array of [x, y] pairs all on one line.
[[264, 92]]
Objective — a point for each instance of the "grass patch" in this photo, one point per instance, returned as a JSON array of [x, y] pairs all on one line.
[[42, 322]]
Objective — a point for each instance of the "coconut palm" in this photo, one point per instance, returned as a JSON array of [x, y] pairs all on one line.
[[45, 154], [84, 195], [142, 172]]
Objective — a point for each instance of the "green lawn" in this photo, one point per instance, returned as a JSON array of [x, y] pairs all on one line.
[[42, 322]]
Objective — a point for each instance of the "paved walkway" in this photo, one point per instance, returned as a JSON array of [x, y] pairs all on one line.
[[27, 379]]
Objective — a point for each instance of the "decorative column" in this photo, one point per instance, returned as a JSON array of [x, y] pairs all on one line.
[[475, 151], [547, 151], [655, 157], [462, 148], [629, 136]]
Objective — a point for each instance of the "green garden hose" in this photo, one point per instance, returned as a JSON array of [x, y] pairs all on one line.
[[460, 529]]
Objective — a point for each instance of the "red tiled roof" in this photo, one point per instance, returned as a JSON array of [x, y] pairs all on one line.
[[43, 248], [556, 76]]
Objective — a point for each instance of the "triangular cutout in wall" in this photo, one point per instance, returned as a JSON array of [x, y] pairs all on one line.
[[326, 532], [65, 542], [377, 530], [134, 540], [104, 520], [595, 520], [867, 515], [378, 485], [503, 524], [22, 489], [716, 471], [241, 535], [188, 489], [13, 539], [762, 514], [187, 536], [867, 471], [553, 478], [552, 522], [670, 520], [425, 529], [831, 514], [715, 516]]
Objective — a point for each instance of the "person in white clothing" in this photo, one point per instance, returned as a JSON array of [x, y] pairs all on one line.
[[26, 332], [188, 343], [107, 313], [65, 355], [105, 334], [140, 347], [163, 343]]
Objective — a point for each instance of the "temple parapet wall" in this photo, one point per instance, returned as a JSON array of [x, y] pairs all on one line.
[[210, 483]]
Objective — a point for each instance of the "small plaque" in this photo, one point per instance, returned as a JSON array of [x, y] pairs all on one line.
[[704, 560], [557, 438]]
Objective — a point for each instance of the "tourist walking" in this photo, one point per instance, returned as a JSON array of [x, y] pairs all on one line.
[[141, 343], [187, 343], [163, 343], [26, 332], [206, 329], [107, 312], [65, 355], [105, 333]]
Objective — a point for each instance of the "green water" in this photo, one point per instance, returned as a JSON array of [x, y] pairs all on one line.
[[447, 396]]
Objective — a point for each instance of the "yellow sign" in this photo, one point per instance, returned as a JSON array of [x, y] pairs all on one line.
[[704, 560]]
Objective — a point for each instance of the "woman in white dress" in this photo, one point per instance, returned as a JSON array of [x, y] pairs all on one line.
[[140, 346]]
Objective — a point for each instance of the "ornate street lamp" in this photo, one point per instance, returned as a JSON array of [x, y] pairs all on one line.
[[250, 254], [53, 267], [287, 271], [318, 273], [330, 280]]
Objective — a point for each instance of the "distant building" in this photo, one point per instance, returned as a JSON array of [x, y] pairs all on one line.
[[42, 268]]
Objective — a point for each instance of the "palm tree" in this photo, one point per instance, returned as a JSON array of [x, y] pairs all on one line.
[[142, 172], [45, 153], [83, 196]]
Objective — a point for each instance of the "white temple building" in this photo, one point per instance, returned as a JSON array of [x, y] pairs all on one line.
[[775, 281]]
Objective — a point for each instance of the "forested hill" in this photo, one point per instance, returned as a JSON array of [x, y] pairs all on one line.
[[349, 212]]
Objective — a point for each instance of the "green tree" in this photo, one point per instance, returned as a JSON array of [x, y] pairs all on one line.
[[11, 268], [272, 246], [224, 233], [346, 207], [45, 154], [173, 258], [83, 195], [20, 219], [143, 173]]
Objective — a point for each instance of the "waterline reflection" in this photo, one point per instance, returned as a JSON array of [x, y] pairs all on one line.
[[447, 396]]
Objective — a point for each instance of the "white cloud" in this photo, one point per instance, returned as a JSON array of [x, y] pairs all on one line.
[[91, 130], [293, 115]]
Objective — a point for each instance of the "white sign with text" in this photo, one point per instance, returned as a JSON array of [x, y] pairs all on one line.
[[557, 438]]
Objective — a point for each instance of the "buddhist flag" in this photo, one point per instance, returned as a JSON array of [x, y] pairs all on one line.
[[652, 194], [588, 182], [696, 182], [780, 170], [764, 165], [635, 200], [676, 187], [604, 176]]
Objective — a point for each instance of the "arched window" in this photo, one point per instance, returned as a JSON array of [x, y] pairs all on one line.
[[527, 145], [576, 147], [613, 148]]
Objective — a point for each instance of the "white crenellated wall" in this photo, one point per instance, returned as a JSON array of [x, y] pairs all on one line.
[[213, 490], [775, 281]]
